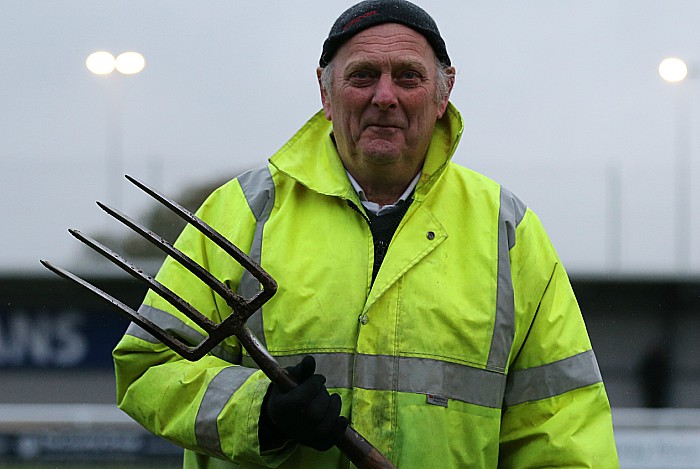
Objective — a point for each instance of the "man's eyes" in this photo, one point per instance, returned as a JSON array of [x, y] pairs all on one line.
[[404, 78], [410, 77], [361, 75]]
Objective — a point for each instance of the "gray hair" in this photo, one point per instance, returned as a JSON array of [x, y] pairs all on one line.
[[444, 76]]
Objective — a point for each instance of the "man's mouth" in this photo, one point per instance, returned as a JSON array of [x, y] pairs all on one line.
[[383, 126]]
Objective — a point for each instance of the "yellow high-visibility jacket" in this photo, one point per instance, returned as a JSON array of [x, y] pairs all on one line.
[[467, 351]]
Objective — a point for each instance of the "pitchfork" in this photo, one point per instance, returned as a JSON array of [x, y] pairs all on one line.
[[355, 447]]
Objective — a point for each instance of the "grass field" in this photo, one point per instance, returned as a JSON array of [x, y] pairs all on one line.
[[169, 464]]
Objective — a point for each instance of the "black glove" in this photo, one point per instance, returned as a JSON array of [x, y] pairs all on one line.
[[307, 414]]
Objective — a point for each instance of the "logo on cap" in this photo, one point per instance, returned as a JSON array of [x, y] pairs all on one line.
[[360, 18]]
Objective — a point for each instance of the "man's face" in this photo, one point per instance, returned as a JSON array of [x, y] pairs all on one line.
[[383, 101]]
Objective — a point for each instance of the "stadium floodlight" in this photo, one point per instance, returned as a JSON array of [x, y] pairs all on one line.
[[129, 63], [104, 63], [100, 63], [673, 70]]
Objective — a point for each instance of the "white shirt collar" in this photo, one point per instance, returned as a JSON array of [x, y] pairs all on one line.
[[382, 209]]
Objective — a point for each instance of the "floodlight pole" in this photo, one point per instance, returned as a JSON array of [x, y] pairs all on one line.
[[104, 64], [675, 71]]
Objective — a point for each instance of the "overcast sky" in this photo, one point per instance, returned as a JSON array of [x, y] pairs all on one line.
[[562, 102]]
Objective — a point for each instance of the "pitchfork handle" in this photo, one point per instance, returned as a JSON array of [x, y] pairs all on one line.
[[356, 448], [360, 451]]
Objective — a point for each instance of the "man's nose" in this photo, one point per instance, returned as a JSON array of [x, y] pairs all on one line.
[[385, 93]]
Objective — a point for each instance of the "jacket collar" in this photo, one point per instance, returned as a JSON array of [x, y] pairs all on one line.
[[311, 158]]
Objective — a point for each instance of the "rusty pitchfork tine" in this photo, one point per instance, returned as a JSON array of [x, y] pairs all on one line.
[[268, 283], [171, 341], [242, 309], [234, 300], [191, 353], [359, 450]]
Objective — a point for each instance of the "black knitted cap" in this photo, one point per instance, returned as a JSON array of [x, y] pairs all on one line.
[[373, 12]]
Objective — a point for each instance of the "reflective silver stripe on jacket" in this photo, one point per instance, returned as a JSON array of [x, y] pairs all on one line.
[[552, 379], [259, 190], [454, 381], [511, 213], [218, 393], [406, 374]]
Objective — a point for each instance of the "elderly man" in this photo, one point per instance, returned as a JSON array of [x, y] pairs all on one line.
[[419, 301]]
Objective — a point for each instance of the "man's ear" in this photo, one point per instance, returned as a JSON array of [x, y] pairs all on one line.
[[442, 107], [324, 95]]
